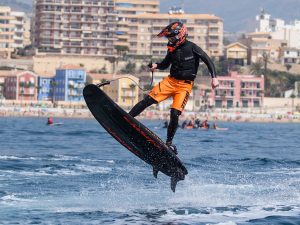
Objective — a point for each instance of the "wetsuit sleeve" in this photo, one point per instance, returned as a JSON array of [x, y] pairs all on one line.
[[205, 58], [165, 63]]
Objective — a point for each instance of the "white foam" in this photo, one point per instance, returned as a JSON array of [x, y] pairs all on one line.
[[226, 223], [12, 198], [94, 169], [11, 157], [62, 158], [72, 171]]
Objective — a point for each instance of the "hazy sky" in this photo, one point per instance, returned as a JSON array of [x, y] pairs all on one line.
[[238, 15]]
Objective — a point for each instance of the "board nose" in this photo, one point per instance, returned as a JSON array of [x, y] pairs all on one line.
[[88, 90]]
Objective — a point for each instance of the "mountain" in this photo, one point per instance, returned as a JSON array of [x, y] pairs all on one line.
[[238, 15]]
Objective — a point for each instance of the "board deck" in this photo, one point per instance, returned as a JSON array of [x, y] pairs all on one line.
[[133, 135]]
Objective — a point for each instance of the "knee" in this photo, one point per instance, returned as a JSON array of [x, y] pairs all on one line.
[[175, 114], [149, 100]]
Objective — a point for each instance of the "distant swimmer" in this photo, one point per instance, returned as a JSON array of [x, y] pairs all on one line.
[[49, 121]]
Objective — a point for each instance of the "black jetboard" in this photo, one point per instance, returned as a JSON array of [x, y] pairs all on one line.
[[133, 135]]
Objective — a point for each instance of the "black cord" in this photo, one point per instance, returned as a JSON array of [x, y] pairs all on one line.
[[125, 77]]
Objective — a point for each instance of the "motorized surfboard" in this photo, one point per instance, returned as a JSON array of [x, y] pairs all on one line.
[[133, 135]]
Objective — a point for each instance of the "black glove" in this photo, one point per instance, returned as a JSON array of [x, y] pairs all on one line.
[[150, 65]]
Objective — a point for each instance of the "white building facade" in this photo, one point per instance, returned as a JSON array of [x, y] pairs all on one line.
[[279, 30]]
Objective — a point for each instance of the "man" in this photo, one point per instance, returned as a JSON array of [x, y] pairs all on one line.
[[184, 57]]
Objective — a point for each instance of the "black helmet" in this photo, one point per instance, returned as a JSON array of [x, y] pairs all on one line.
[[176, 30]]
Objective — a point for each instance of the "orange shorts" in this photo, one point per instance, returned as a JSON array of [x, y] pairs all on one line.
[[179, 89]]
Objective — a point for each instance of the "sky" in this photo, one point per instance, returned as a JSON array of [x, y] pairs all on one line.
[[238, 15]]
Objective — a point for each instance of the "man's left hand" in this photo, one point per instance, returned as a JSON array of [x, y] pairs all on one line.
[[214, 83]]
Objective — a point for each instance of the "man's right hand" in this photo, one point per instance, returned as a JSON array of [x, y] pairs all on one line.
[[214, 83], [152, 66]]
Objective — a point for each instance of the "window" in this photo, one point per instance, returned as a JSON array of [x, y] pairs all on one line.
[[245, 103], [256, 103]]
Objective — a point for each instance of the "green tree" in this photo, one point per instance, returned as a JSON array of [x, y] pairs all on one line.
[[288, 67], [256, 68], [38, 88], [53, 85], [103, 70], [194, 89], [129, 68], [121, 51], [132, 88]]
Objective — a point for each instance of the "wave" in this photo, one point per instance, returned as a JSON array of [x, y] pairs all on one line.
[[60, 170], [11, 198], [268, 161], [231, 215], [51, 157], [248, 160]]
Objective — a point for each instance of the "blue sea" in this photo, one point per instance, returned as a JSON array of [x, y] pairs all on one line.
[[77, 174]]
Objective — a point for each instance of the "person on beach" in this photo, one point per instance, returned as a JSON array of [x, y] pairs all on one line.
[[204, 125], [184, 57], [197, 123]]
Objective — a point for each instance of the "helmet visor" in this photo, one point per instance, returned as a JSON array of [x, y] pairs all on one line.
[[172, 39]]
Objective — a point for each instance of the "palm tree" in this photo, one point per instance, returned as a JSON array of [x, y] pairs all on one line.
[[38, 88], [53, 84], [266, 60], [194, 89], [256, 68], [293, 96], [132, 88], [22, 85], [288, 67]]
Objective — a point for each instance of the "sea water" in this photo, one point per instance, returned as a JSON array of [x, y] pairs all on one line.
[[78, 174]]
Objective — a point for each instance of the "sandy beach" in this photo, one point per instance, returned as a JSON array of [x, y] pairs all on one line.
[[217, 115]]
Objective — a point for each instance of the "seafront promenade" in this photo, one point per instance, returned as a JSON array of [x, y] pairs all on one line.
[[232, 115]]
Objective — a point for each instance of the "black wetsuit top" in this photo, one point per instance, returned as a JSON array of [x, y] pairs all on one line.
[[185, 61]]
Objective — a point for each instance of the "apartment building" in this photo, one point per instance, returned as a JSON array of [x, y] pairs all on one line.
[[278, 29], [126, 8], [45, 88], [74, 27], [21, 86], [261, 44], [290, 56], [204, 30], [237, 90], [68, 83], [12, 29]]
